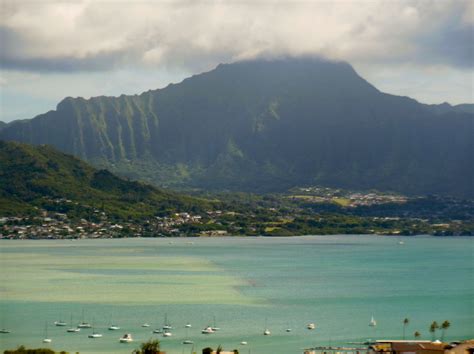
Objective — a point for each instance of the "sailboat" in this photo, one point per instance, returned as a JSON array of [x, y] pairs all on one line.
[[288, 329], [73, 329], [372, 322], [166, 325], [311, 326], [60, 323], [266, 332], [84, 324], [187, 341], [94, 334], [113, 327], [46, 339], [4, 331]]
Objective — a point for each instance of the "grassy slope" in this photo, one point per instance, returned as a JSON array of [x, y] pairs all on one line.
[[34, 176]]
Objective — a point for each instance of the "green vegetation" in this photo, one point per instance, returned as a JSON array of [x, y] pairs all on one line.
[[434, 326], [41, 177], [266, 126], [150, 347], [22, 350], [406, 321]]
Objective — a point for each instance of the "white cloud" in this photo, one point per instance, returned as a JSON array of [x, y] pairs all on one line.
[[99, 35]]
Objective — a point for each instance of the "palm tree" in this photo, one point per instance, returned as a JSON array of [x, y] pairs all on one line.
[[417, 334], [406, 321], [444, 326], [433, 327]]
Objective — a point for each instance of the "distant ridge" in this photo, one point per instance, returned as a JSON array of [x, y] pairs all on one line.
[[266, 126], [34, 176]]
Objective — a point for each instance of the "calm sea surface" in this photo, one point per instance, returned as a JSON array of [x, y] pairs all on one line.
[[243, 284]]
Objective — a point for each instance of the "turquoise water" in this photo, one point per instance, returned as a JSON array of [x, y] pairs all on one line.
[[337, 282]]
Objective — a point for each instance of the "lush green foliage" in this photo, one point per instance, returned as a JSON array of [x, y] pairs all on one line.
[[267, 126], [34, 177], [150, 347], [22, 350]]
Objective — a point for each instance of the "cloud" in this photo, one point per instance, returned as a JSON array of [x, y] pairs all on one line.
[[196, 35]]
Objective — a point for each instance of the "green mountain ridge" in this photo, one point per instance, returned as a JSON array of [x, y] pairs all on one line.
[[42, 177], [266, 126]]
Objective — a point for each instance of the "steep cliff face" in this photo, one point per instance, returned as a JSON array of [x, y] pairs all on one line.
[[267, 125]]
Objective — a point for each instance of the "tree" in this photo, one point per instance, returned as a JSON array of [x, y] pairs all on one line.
[[219, 349], [417, 334], [207, 350], [150, 347], [406, 321], [433, 327], [444, 326]]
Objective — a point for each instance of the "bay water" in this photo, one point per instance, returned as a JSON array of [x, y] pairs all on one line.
[[241, 285]]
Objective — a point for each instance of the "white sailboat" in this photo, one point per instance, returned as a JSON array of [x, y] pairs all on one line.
[[60, 323], [94, 334], [84, 324], [166, 325], [310, 326], [73, 329], [266, 332], [187, 341], [372, 322], [46, 339], [4, 331]]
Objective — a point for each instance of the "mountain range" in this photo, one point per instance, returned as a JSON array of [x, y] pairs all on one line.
[[266, 126]]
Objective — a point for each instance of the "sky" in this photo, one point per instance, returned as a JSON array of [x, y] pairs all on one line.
[[51, 49]]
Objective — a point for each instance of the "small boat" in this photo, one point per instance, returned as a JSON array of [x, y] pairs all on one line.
[[84, 324], [187, 325], [311, 326], [60, 323], [127, 338], [372, 322], [187, 341], [158, 331], [73, 330], [243, 343], [145, 325], [94, 334], [46, 339], [167, 334], [288, 330], [207, 330], [266, 332], [167, 325], [4, 331], [114, 328], [401, 242]]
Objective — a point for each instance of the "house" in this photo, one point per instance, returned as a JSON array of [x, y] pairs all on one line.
[[408, 347]]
